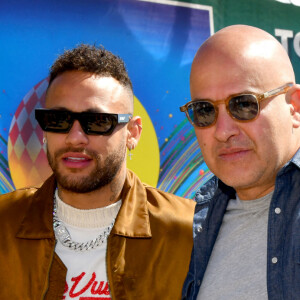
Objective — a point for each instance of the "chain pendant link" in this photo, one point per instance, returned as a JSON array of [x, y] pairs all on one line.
[[62, 234]]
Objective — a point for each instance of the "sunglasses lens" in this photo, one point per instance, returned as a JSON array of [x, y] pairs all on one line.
[[244, 107], [91, 123], [202, 113], [54, 120], [99, 123]]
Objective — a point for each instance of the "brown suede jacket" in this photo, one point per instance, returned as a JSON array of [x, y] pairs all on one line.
[[148, 250]]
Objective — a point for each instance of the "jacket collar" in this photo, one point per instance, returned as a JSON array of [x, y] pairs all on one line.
[[212, 189], [37, 221], [291, 164], [132, 220], [296, 159]]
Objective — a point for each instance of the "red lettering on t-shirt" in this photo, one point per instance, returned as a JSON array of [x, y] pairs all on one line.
[[96, 288], [76, 281]]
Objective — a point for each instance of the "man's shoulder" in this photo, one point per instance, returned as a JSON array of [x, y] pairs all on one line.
[[21, 198], [13, 207], [166, 196], [16, 200], [167, 204], [171, 213], [156, 195]]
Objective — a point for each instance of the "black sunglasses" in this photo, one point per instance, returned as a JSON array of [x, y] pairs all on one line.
[[241, 107], [61, 121]]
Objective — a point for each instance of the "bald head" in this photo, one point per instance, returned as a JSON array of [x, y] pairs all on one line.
[[253, 53], [245, 155]]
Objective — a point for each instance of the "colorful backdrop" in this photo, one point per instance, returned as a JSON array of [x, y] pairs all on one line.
[[157, 40]]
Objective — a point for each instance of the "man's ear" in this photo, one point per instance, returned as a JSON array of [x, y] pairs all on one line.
[[134, 132], [293, 98]]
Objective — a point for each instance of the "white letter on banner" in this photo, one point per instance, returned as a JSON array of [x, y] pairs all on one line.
[[296, 2], [284, 34], [297, 43]]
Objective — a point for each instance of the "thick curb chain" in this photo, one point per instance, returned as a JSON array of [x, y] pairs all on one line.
[[62, 234]]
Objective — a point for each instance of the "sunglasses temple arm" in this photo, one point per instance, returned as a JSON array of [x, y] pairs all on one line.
[[124, 118], [280, 90]]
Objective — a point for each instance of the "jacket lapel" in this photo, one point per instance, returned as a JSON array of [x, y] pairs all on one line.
[[133, 217], [37, 221]]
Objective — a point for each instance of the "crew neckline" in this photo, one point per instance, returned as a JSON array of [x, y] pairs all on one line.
[[86, 218]]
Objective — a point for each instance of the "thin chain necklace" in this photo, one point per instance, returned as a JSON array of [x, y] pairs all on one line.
[[62, 234]]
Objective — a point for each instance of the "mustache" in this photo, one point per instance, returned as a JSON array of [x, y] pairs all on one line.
[[236, 143]]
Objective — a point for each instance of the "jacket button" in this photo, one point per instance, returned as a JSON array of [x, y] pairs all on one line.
[[198, 282], [277, 210], [199, 228], [274, 260]]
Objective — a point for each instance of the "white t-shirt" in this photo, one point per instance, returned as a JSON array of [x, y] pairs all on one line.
[[86, 275]]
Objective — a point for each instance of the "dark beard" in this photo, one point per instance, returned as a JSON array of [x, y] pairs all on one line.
[[102, 175]]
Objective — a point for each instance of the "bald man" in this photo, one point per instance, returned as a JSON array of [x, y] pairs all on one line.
[[245, 110]]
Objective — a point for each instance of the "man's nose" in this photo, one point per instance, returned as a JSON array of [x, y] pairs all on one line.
[[76, 135], [225, 126]]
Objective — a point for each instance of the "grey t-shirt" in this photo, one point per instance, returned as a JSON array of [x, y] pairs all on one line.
[[238, 264]]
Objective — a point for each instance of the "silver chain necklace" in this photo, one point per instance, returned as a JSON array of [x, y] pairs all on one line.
[[62, 234]]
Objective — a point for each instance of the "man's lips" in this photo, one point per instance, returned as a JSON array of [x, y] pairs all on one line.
[[233, 153], [76, 160]]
